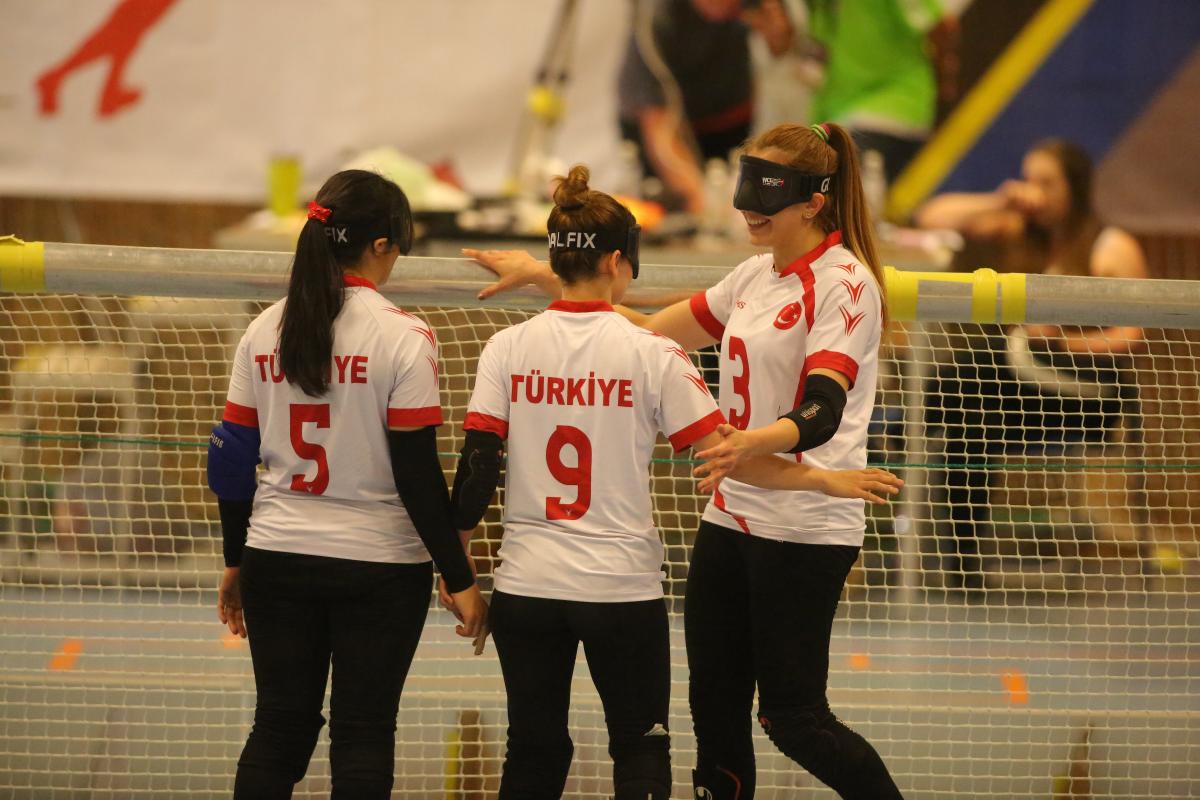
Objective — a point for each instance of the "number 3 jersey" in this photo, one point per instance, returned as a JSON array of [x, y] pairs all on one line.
[[326, 486], [580, 394], [822, 311]]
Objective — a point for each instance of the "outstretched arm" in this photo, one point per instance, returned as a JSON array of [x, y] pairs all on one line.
[[773, 472]]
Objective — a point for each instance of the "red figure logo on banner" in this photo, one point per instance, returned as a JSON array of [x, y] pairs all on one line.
[[116, 39]]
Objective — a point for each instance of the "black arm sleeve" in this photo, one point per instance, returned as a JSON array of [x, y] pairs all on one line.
[[419, 481], [476, 478], [235, 520], [819, 413]]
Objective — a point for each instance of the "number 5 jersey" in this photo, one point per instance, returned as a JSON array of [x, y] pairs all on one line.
[[326, 486], [580, 394]]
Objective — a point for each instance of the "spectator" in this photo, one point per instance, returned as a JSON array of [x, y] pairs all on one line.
[[1041, 385], [880, 80], [686, 90]]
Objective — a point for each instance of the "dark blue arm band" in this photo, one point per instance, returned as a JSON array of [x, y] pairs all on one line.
[[232, 460]]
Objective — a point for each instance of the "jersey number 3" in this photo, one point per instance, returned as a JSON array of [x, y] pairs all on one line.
[[579, 476], [317, 413]]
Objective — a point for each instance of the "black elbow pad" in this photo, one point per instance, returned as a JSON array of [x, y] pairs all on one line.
[[476, 478], [819, 413]]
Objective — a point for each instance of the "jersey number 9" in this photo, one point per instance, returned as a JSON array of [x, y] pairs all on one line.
[[579, 476]]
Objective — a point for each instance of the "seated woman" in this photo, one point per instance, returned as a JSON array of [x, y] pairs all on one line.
[[1035, 385]]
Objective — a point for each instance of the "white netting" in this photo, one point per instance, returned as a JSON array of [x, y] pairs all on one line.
[[1066, 666]]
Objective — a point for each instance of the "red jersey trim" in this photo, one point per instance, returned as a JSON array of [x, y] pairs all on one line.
[[241, 415], [579, 306], [808, 258], [357, 280], [704, 315], [686, 437], [413, 417], [830, 359], [719, 502], [486, 423], [809, 299]]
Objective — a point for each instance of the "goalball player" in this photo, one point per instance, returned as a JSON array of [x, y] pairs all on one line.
[[577, 395]]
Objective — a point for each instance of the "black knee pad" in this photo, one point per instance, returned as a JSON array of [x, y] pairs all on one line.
[[642, 764], [721, 783], [809, 735], [536, 768]]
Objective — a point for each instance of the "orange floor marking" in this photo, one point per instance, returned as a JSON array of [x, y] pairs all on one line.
[[1018, 688], [859, 661], [66, 656]]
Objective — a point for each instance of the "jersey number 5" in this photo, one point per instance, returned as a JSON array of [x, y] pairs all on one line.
[[579, 476], [317, 413], [741, 383]]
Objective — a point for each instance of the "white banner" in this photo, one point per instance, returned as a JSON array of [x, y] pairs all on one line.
[[189, 99]]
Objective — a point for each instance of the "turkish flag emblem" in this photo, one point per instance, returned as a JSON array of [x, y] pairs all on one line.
[[788, 316]]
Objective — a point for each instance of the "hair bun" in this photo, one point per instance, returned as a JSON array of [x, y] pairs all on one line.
[[571, 191]]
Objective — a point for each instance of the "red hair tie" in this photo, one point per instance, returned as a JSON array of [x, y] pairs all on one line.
[[318, 212]]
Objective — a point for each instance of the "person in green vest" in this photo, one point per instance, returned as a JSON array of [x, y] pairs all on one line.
[[880, 80]]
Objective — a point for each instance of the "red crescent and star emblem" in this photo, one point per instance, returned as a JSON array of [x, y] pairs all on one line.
[[789, 315]]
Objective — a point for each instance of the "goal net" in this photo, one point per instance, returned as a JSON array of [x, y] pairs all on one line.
[[1023, 621]]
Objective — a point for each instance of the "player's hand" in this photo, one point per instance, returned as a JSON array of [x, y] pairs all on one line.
[[445, 598], [481, 640], [722, 458], [229, 602], [872, 485], [514, 268], [471, 610]]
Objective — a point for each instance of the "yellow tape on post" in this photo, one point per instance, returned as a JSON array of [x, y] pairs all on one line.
[[22, 265], [1012, 298], [983, 295], [901, 290]]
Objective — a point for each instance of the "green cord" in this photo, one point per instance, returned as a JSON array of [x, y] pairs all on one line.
[[1000, 465]]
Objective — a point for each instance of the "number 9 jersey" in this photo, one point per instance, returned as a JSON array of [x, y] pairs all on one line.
[[326, 487], [581, 393]]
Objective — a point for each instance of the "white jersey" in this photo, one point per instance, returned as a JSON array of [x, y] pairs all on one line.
[[581, 393], [823, 311], [326, 486]]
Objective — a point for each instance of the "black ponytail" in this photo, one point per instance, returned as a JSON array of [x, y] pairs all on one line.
[[363, 207]]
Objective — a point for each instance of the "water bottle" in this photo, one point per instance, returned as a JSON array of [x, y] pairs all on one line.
[[629, 171], [714, 223]]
